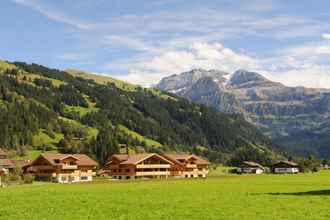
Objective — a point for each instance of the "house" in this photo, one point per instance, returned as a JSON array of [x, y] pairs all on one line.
[[187, 166], [6, 163], [22, 164], [63, 168], [124, 166], [250, 167], [285, 167]]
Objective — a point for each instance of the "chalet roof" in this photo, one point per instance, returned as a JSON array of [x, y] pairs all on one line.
[[121, 157], [82, 159], [251, 164], [21, 163], [136, 158], [289, 163], [177, 157], [6, 163]]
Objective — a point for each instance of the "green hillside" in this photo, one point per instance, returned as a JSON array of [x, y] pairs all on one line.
[[72, 112]]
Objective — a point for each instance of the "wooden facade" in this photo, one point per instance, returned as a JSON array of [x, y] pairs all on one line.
[[283, 167], [63, 168], [188, 166], [250, 167], [6, 163], [123, 166]]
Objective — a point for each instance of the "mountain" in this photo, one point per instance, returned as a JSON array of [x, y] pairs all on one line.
[[72, 111], [295, 117]]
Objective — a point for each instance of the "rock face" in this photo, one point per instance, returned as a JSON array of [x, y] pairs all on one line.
[[297, 117]]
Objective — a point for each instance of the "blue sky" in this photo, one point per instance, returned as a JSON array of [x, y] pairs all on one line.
[[141, 41]]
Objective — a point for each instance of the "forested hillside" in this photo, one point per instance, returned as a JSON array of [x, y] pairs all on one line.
[[48, 109]]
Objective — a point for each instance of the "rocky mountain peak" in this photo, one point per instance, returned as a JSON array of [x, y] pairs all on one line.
[[184, 81], [247, 79]]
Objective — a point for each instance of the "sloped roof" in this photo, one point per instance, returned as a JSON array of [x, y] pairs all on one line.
[[21, 163], [82, 159], [177, 157], [251, 164], [6, 163], [120, 157], [136, 158]]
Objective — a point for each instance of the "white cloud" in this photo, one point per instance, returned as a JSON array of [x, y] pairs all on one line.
[[312, 76], [198, 55], [55, 15], [326, 36], [166, 42], [292, 67]]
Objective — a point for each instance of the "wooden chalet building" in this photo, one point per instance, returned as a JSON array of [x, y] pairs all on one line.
[[6, 163], [187, 166], [285, 167], [63, 168], [250, 167], [123, 166]]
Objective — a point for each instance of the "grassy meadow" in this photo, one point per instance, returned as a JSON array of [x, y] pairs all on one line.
[[302, 196]]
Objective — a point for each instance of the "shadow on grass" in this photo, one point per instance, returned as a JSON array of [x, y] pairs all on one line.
[[307, 193]]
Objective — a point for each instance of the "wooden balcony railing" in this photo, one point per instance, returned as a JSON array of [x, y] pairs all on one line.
[[191, 165], [153, 173], [152, 166], [69, 167]]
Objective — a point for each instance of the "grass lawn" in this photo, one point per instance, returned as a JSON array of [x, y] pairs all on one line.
[[303, 196]]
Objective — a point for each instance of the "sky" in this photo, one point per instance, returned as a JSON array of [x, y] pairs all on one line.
[[141, 41]]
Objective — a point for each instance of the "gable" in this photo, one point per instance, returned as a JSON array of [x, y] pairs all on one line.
[[41, 160], [155, 159]]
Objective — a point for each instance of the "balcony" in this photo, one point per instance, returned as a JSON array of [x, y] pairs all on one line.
[[69, 167], [191, 165], [152, 166], [113, 166], [153, 173], [43, 167]]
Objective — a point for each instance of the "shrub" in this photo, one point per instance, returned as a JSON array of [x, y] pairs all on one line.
[[28, 179]]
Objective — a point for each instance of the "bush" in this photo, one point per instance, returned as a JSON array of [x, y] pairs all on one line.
[[28, 179], [14, 178]]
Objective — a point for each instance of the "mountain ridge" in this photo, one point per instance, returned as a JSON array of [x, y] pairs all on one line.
[[75, 114], [283, 113]]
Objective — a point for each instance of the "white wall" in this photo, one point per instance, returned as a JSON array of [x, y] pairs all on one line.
[[286, 170]]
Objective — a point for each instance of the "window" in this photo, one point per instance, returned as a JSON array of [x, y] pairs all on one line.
[[127, 170], [84, 178]]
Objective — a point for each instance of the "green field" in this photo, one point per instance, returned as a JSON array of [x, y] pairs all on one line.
[[303, 196]]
